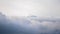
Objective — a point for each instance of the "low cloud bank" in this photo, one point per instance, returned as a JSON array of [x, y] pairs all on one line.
[[29, 25]]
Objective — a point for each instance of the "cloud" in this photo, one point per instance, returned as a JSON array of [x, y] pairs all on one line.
[[34, 7], [28, 25]]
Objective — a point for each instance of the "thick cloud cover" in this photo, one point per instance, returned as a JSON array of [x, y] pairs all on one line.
[[29, 25], [30, 7]]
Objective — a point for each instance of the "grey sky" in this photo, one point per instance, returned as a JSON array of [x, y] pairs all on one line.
[[30, 7]]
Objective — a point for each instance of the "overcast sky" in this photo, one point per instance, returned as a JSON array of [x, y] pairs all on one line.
[[30, 7]]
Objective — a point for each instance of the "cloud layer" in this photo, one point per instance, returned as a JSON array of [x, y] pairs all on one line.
[[29, 25], [34, 7]]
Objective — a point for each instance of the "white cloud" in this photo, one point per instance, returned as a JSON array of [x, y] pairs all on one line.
[[31, 7]]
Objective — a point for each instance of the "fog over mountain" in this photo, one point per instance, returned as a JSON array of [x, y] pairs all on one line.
[[29, 25]]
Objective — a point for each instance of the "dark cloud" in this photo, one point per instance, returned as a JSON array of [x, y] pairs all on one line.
[[29, 25]]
